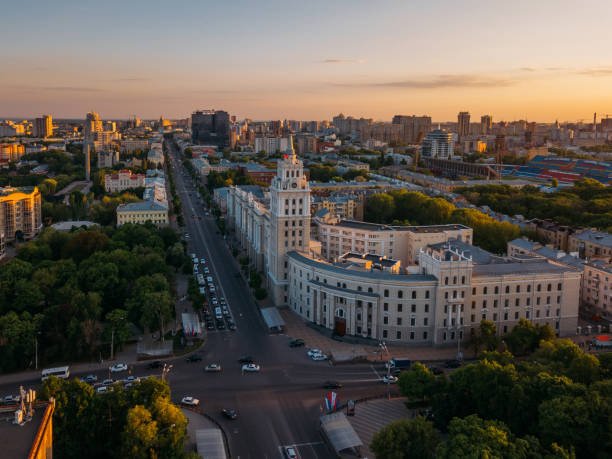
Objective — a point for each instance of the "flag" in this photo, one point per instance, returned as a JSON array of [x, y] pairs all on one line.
[[332, 401]]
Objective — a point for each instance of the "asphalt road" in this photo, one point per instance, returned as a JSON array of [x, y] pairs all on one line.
[[280, 405]]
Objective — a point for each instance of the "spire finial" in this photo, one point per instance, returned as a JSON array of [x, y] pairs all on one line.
[[290, 149]]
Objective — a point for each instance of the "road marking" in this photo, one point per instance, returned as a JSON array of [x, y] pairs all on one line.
[[375, 372]]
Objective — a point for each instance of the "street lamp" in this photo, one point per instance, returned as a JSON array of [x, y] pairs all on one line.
[[36, 349], [385, 349]]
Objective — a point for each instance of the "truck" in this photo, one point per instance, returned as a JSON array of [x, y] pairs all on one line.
[[402, 364]]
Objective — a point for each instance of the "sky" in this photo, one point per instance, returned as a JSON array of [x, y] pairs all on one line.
[[538, 60]]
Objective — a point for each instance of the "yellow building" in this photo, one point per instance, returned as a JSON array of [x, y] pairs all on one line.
[[20, 212], [142, 212]]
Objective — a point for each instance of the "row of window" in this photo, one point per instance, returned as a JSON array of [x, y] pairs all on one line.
[[518, 289], [517, 302]]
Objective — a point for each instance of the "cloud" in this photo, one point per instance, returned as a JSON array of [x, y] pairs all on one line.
[[130, 80], [596, 71], [440, 81], [71, 89], [343, 61], [527, 69]]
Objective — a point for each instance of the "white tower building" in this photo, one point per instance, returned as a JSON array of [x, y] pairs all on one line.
[[289, 220]]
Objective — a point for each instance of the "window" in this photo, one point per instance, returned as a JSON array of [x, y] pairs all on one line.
[[484, 290], [454, 279], [399, 335], [537, 313], [473, 317], [427, 294], [495, 317], [473, 305], [413, 308], [518, 289], [473, 290], [411, 335], [505, 316], [384, 333], [506, 303], [385, 320], [386, 306], [528, 288], [538, 301], [548, 287], [424, 335], [494, 303], [426, 308], [539, 287], [386, 293], [527, 315], [516, 315], [528, 302], [484, 316], [517, 302], [412, 321], [446, 281], [484, 303], [560, 286], [414, 294], [463, 279], [446, 295], [426, 321], [559, 299], [446, 309], [400, 294], [547, 300], [507, 289], [444, 336], [399, 308]]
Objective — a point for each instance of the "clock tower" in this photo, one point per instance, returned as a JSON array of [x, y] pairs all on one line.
[[289, 220]]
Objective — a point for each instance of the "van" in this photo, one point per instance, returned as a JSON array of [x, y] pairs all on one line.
[[218, 313]]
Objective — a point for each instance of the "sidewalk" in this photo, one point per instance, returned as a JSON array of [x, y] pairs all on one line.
[[344, 352]]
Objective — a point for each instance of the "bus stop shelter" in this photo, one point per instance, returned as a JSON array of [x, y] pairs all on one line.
[[273, 319], [340, 433]]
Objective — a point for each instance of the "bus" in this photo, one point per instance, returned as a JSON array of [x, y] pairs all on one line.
[[60, 372]]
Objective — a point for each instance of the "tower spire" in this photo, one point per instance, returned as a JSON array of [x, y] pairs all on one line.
[[290, 150]]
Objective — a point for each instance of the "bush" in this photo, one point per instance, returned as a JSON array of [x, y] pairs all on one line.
[[261, 293]]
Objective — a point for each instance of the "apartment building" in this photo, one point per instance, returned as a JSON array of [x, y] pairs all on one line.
[[20, 212], [597, 288], [131, 145], [344, 207], [551, 232], [11, 152], [590, 243], [142, 212], [123, 180]]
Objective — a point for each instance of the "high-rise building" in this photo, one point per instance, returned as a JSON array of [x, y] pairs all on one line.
[[20, 212], [210, 127], [415, 127], [463, 124], [290, 219], [43, 127], [486, 124], [438, 144]]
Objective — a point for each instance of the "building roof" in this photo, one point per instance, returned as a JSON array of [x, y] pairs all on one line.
[[431, 228], [522, 243], [374, 275], [339, 431], [141, 206], [595, 237], [67, 226], [255, 190], [272, 318], [18, 440], [363, 225], [210, 444]]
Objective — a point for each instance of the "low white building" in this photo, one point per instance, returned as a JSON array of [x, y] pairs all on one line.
[[123, 180]]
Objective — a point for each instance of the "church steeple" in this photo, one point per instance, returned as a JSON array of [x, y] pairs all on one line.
[[290, 150]]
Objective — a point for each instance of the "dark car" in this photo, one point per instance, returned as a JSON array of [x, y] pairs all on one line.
[[194, 358], [245, 359], [453, 363], [331, 385], [395, 371], [220, 325], [296, 343], [232, 326], [210, 326], [229, 414], [154, 364]]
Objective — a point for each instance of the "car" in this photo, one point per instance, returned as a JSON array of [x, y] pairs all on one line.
[[396, 371], [211, 288], [229, 414], [213, 367], [195, 269], [220, 325], [245, 359], [107, 382], [193, 255], [196, 261], [296, 343], [131, 379], [203, 261], [290, 452], [232, 326], [453, 363], [194, 358], [222, 300], [11, 399], [119, 367], [251, 367], [91, 379], [313, 352], [225, 311], [210, 325], [102, 389], [190, 401], [331, 385], [154, 364], [389, 379], [319, 357], [206, 270]]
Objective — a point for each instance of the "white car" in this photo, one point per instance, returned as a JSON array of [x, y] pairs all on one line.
[[318, 357], [118, 368], [250, 367], [206, 271], [196, 261], [102, 389], [213, 367], [313, 352], [389, 379], [212, 288], [108, 381], [190, 401]]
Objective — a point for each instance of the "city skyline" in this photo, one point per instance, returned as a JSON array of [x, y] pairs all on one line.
[[307, 61]]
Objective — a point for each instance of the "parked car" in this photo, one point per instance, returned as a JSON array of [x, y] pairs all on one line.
[[215, 367], [102, 389], [290, 452], [220, 325], [229, 414], [194, 358], [210, 325], [107, 381], [331, 385], [314, 352], [132, 378], [245, 359], [251, 367], [91, 379], [190, 401], [296, 343], [453, 363], [232, 326], [119, 367], [389, 379], [319, 357]]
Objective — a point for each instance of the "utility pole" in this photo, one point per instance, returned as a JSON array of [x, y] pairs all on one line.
[[36, 351]]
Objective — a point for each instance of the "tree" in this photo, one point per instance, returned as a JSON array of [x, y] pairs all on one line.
[[157, 311], [117, 327], [260, 293], [176, 255], [380, 207], [417, 383], [405, 438], [525, 337], [140, 434]]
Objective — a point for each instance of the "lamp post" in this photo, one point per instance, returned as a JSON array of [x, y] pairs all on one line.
[[385, 349], [36, 350]]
